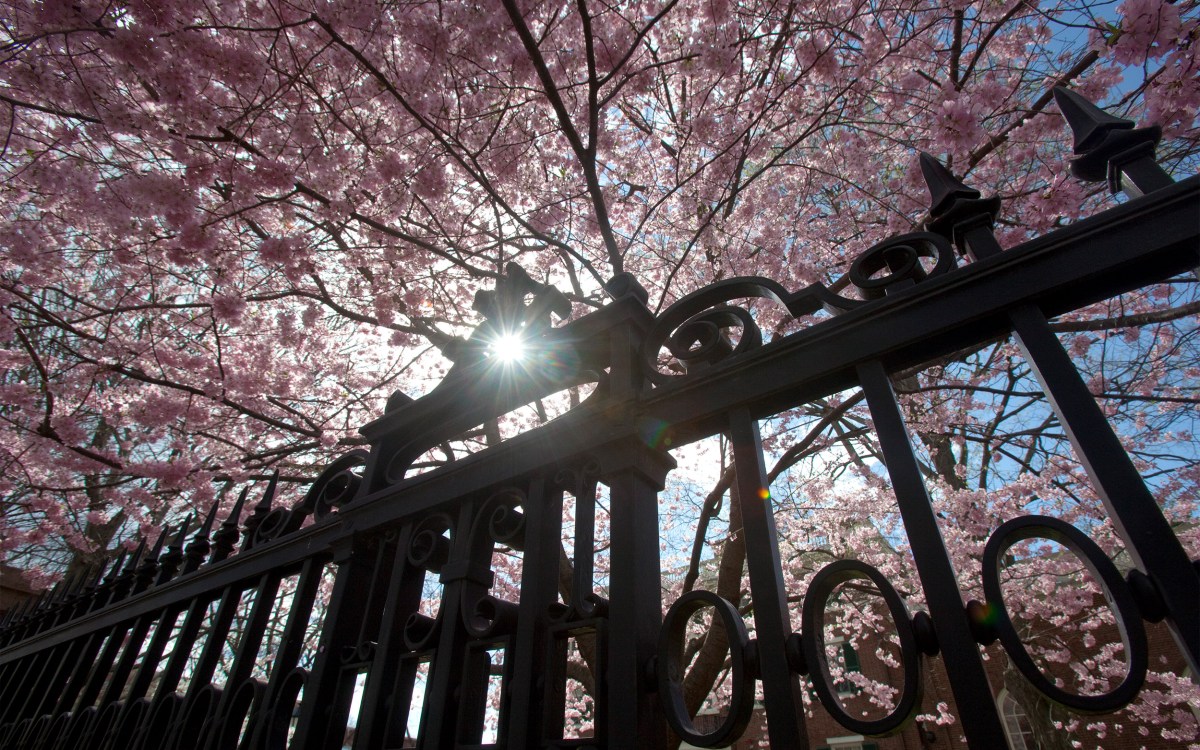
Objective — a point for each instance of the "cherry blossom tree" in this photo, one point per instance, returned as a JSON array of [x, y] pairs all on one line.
[[233, 229]]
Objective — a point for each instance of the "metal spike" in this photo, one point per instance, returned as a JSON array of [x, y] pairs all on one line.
[[226, 536], [209, 520], [168, 564], [113, 571], [261, 510], [160, 542], [181, 535], [269, 496], [944, 187], [136, 558], [87, 577], [1088, 123]]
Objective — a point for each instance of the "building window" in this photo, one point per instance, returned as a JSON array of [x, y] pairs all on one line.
[[1016, 723], [850, 664]]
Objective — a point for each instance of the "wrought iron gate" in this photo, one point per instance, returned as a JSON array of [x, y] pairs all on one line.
[[166, 648]]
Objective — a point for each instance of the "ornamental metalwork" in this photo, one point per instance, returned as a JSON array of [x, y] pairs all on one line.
[[127, 657]]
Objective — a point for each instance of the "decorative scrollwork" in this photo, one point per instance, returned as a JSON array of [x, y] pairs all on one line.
[[812, 641], [694, 329], [901, 258], [337, 485], [500, 520], [429, 550], [670, 669], [492, 616], [1116, 591]]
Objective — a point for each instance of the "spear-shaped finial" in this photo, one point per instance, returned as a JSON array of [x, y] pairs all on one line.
[[261, 510], [1110, 148], [200, 546], [169, 563], [227, 535], [1089, 124], [125, 580], [148, 570], [958, 212], [944, 188], [115, 569], [140, 550]]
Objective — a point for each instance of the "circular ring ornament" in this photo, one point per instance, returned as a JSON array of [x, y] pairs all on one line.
[[671, 669], [279, 719], [161, 722], [1129, 621], [901, 257], [813, 627], [337, 485]]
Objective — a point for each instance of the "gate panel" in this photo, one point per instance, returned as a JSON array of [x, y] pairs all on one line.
[[418, 632]]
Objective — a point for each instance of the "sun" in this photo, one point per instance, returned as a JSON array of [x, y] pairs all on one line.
[[508, 348]]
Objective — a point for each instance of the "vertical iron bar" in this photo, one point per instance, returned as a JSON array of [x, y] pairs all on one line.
[[772, 624], [24, 686], [404, 598], [154, 652], [249, 642], [102, 666], [133, 647], [185, 642], [76, 681], [539, 590], [292, 646], [439, 723], [968, 679], [1134, 511], [357, 573], [635, 609]]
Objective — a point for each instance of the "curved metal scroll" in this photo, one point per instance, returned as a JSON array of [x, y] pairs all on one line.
[[900, 257], [502, 520], [693, 329]]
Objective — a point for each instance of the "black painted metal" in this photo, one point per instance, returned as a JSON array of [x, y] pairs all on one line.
[[208, 644]]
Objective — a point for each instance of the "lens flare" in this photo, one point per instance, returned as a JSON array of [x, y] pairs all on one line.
[[508, 348]]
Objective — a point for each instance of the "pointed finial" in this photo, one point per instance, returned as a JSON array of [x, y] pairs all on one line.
[[227, 535], [148, 570], [160, 542], [181, 534], [200, 546], [261, 510], [209, 520], [131, 566], [944, 188], [169, 563], [115, 569], [1088, 123], [958, 213], [1110, 149]]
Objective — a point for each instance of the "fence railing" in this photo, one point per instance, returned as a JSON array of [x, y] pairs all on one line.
[[310, 626]]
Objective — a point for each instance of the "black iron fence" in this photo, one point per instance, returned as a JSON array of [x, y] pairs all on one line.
[[270, 632]]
